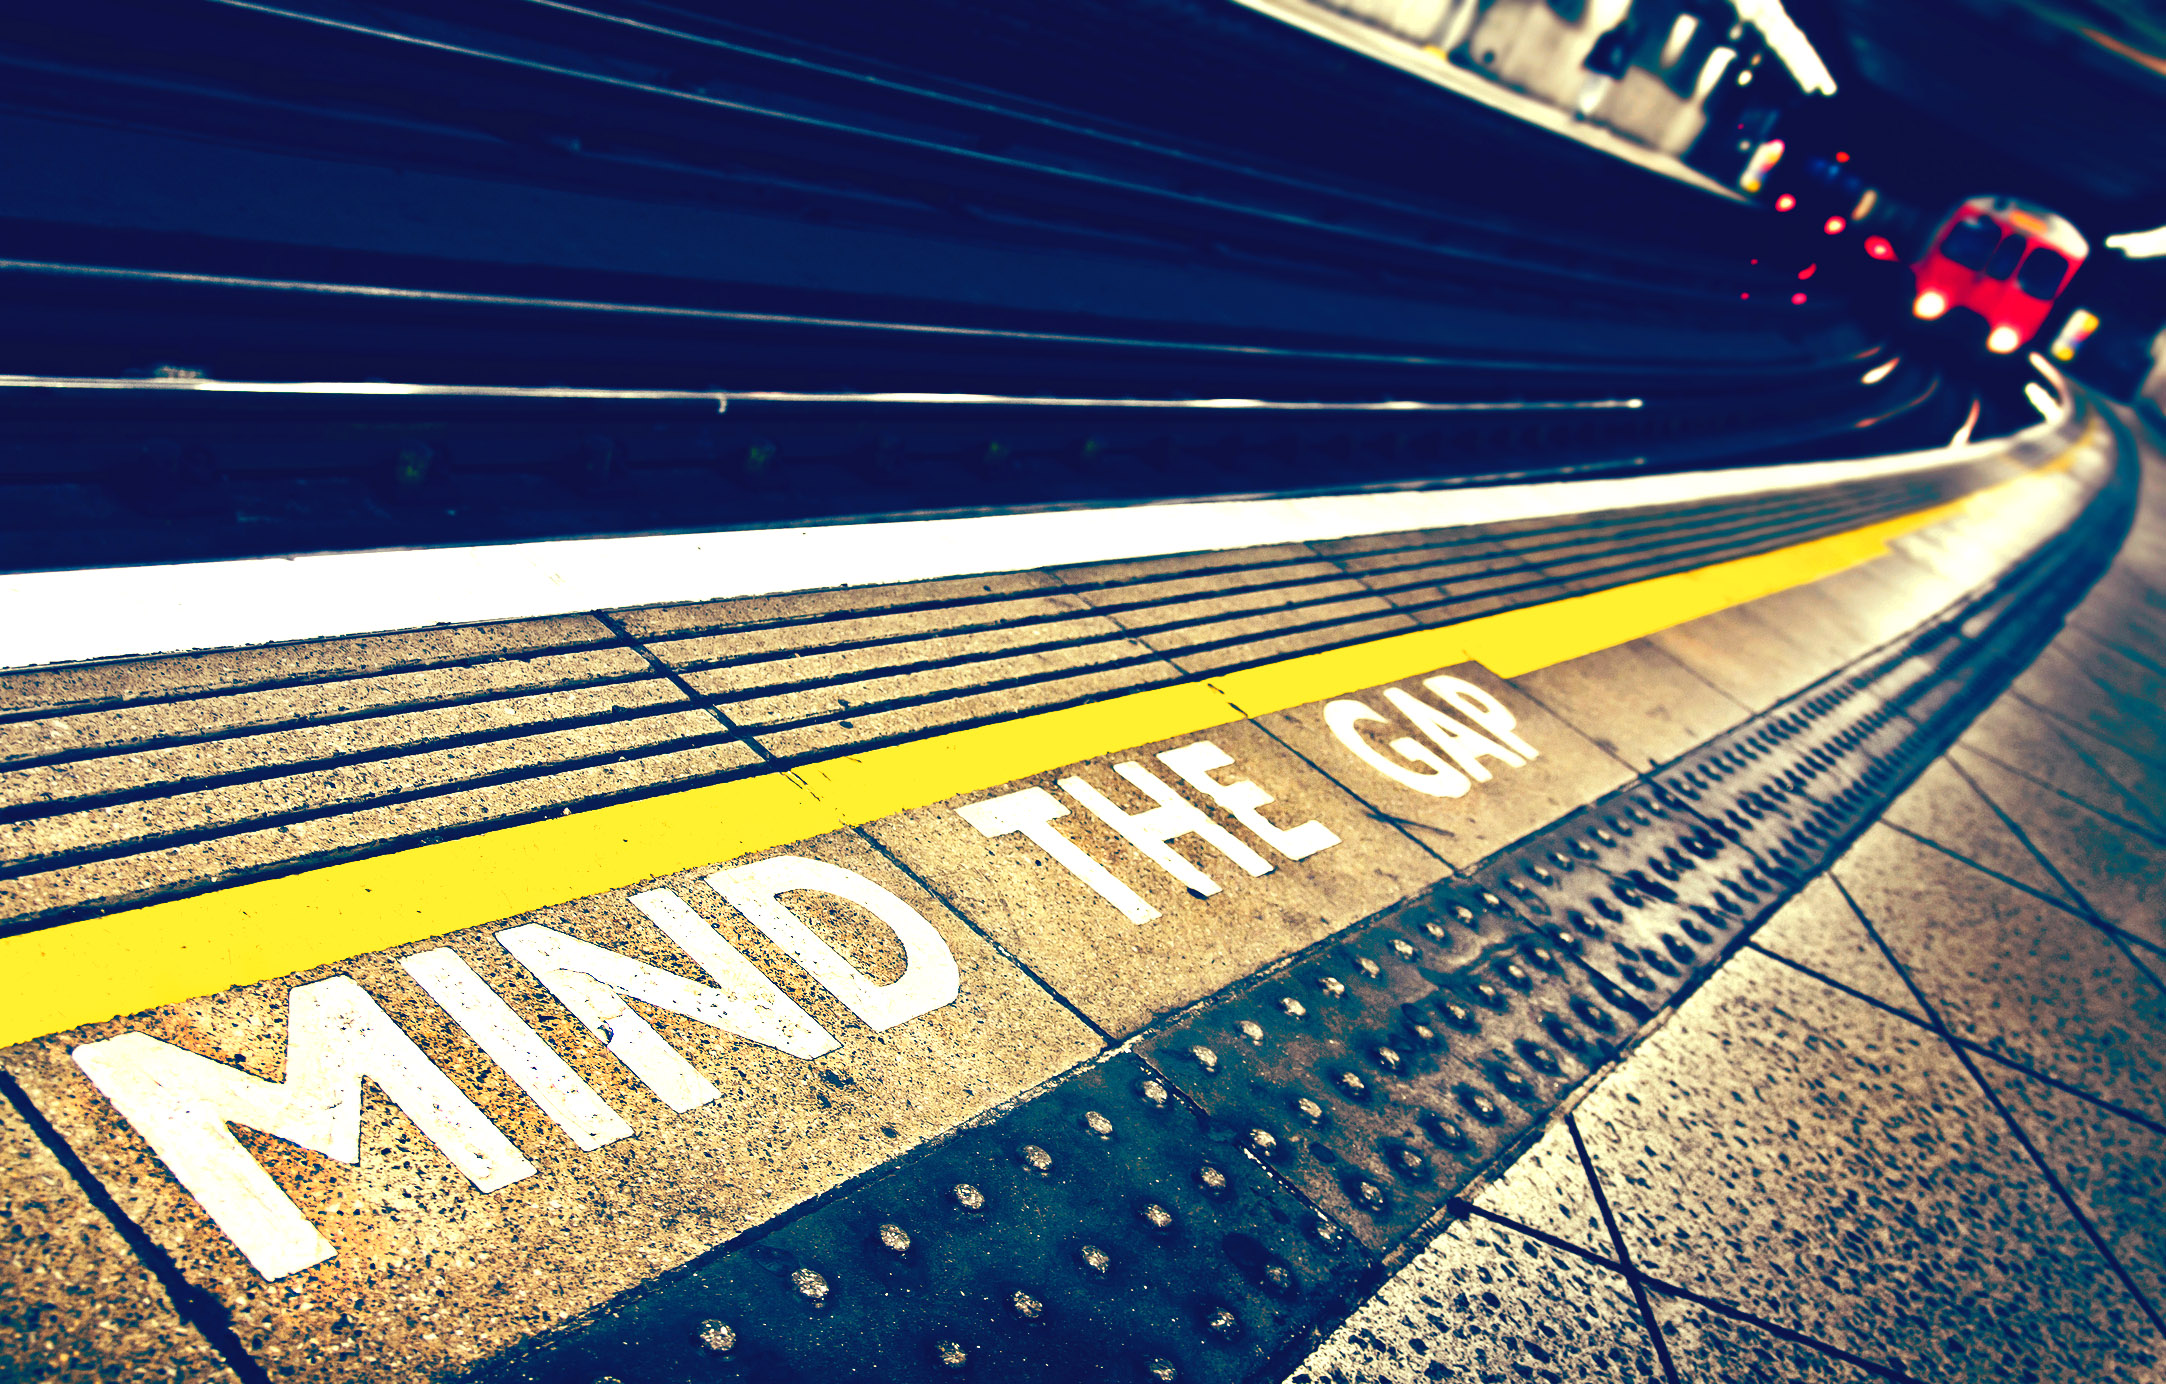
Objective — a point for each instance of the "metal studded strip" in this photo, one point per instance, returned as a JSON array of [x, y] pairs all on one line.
[[1200, 1207], [1104, 1230], [1381, 1070]]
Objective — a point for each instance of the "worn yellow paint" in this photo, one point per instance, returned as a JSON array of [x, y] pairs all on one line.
[[141, 958]]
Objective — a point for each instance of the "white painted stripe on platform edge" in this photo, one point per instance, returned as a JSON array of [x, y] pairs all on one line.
[[113, 612]]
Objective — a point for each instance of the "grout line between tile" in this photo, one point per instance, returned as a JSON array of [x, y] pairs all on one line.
[[1980, 1049], [1722, 1309], [195, 1306], [1624, 1255], [2022, 1136], [2090, 913]]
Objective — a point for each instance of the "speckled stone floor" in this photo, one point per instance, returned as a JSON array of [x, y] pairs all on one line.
[[1916, 1130]]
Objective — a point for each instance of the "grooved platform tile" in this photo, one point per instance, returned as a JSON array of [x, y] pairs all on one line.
[[1442, 576], [430, 1273], [1772, 1146], [322, 791], [1211, 611], [118, 723], [1382, 756], [129, 878], [1482, 1302], [87, 684], [2014, 974], [1119, 971], [999, 608], [78, 1306], [856, 713], [183, 768], [1634, 702]]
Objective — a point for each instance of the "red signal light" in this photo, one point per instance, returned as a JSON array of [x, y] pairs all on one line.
[[1797, 300], [1785, 202], [1878, 247], [1835, 225], [1841, 157]]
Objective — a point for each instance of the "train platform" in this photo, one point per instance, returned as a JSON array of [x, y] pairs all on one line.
[[1686, 927]]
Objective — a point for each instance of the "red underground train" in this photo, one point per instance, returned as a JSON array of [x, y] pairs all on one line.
[[2005, 261]]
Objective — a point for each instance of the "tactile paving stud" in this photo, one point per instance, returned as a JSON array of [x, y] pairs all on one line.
[[1406, 1059], [1102, 1230], [1106, 1230]]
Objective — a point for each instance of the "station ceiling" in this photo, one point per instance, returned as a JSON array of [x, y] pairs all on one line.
[[2060, 100]]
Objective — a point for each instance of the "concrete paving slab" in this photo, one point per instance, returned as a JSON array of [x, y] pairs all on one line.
[[1051, 869], [2016, 975], [2141, 783], [1771, 1147], [76, 1305], [2115, 1169], [2120, 874], [1546, 1189], [1888, 595], [1368, 741], [2057, 685], [2119, 672], [1482, 1302], [1710, 1348], [612, 1146], [1635, 702], [2056, 754], [2127, 613], [1820, 931], [1946, 810], [1818, 622], [57, 689], [1748, 658]]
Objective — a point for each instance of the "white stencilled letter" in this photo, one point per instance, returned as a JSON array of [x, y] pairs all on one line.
[[929, 979], [1441, 781], [1482, 709], [1466, 747], [546, 1078], [336, 1034], [596, 984], [1174, 817], [1242, 799], [1031, 811]]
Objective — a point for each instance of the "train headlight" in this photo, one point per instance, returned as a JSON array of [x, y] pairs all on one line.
[[2003, 339], [1929, 305]]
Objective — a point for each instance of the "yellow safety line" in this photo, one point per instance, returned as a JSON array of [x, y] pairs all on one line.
[[161, 953]]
